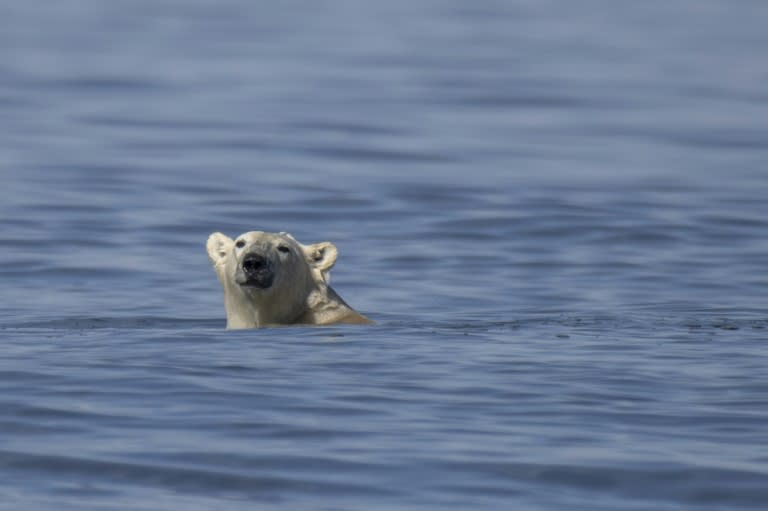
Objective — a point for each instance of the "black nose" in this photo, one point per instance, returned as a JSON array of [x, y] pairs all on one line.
[[254, 263]]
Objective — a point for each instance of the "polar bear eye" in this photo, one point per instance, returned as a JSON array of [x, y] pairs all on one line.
[[240, 243], [284, 249]]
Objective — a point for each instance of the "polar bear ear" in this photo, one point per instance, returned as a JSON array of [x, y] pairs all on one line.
[[218, 247], [322, 255]]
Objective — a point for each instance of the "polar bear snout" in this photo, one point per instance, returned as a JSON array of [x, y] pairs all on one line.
[[254, 263], [255, 271]]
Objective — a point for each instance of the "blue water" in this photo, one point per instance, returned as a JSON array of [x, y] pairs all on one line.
[[556, 212]]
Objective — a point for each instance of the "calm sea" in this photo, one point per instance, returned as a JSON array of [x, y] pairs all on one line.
[[556, 212]]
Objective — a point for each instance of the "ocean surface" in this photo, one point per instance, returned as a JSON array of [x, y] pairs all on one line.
[[556, 212]]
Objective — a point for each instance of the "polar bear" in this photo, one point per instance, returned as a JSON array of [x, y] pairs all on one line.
[[272, 279]]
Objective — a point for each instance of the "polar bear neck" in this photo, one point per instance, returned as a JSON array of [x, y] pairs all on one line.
[[256, 308], [325, 306], [317, 303]]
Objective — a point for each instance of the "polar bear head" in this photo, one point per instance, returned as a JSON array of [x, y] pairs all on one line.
[[270, 278]]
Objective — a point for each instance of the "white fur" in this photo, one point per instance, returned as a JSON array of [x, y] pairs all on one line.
[[299, 293]]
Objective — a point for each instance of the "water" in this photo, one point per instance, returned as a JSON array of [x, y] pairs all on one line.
[[555, 212]]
